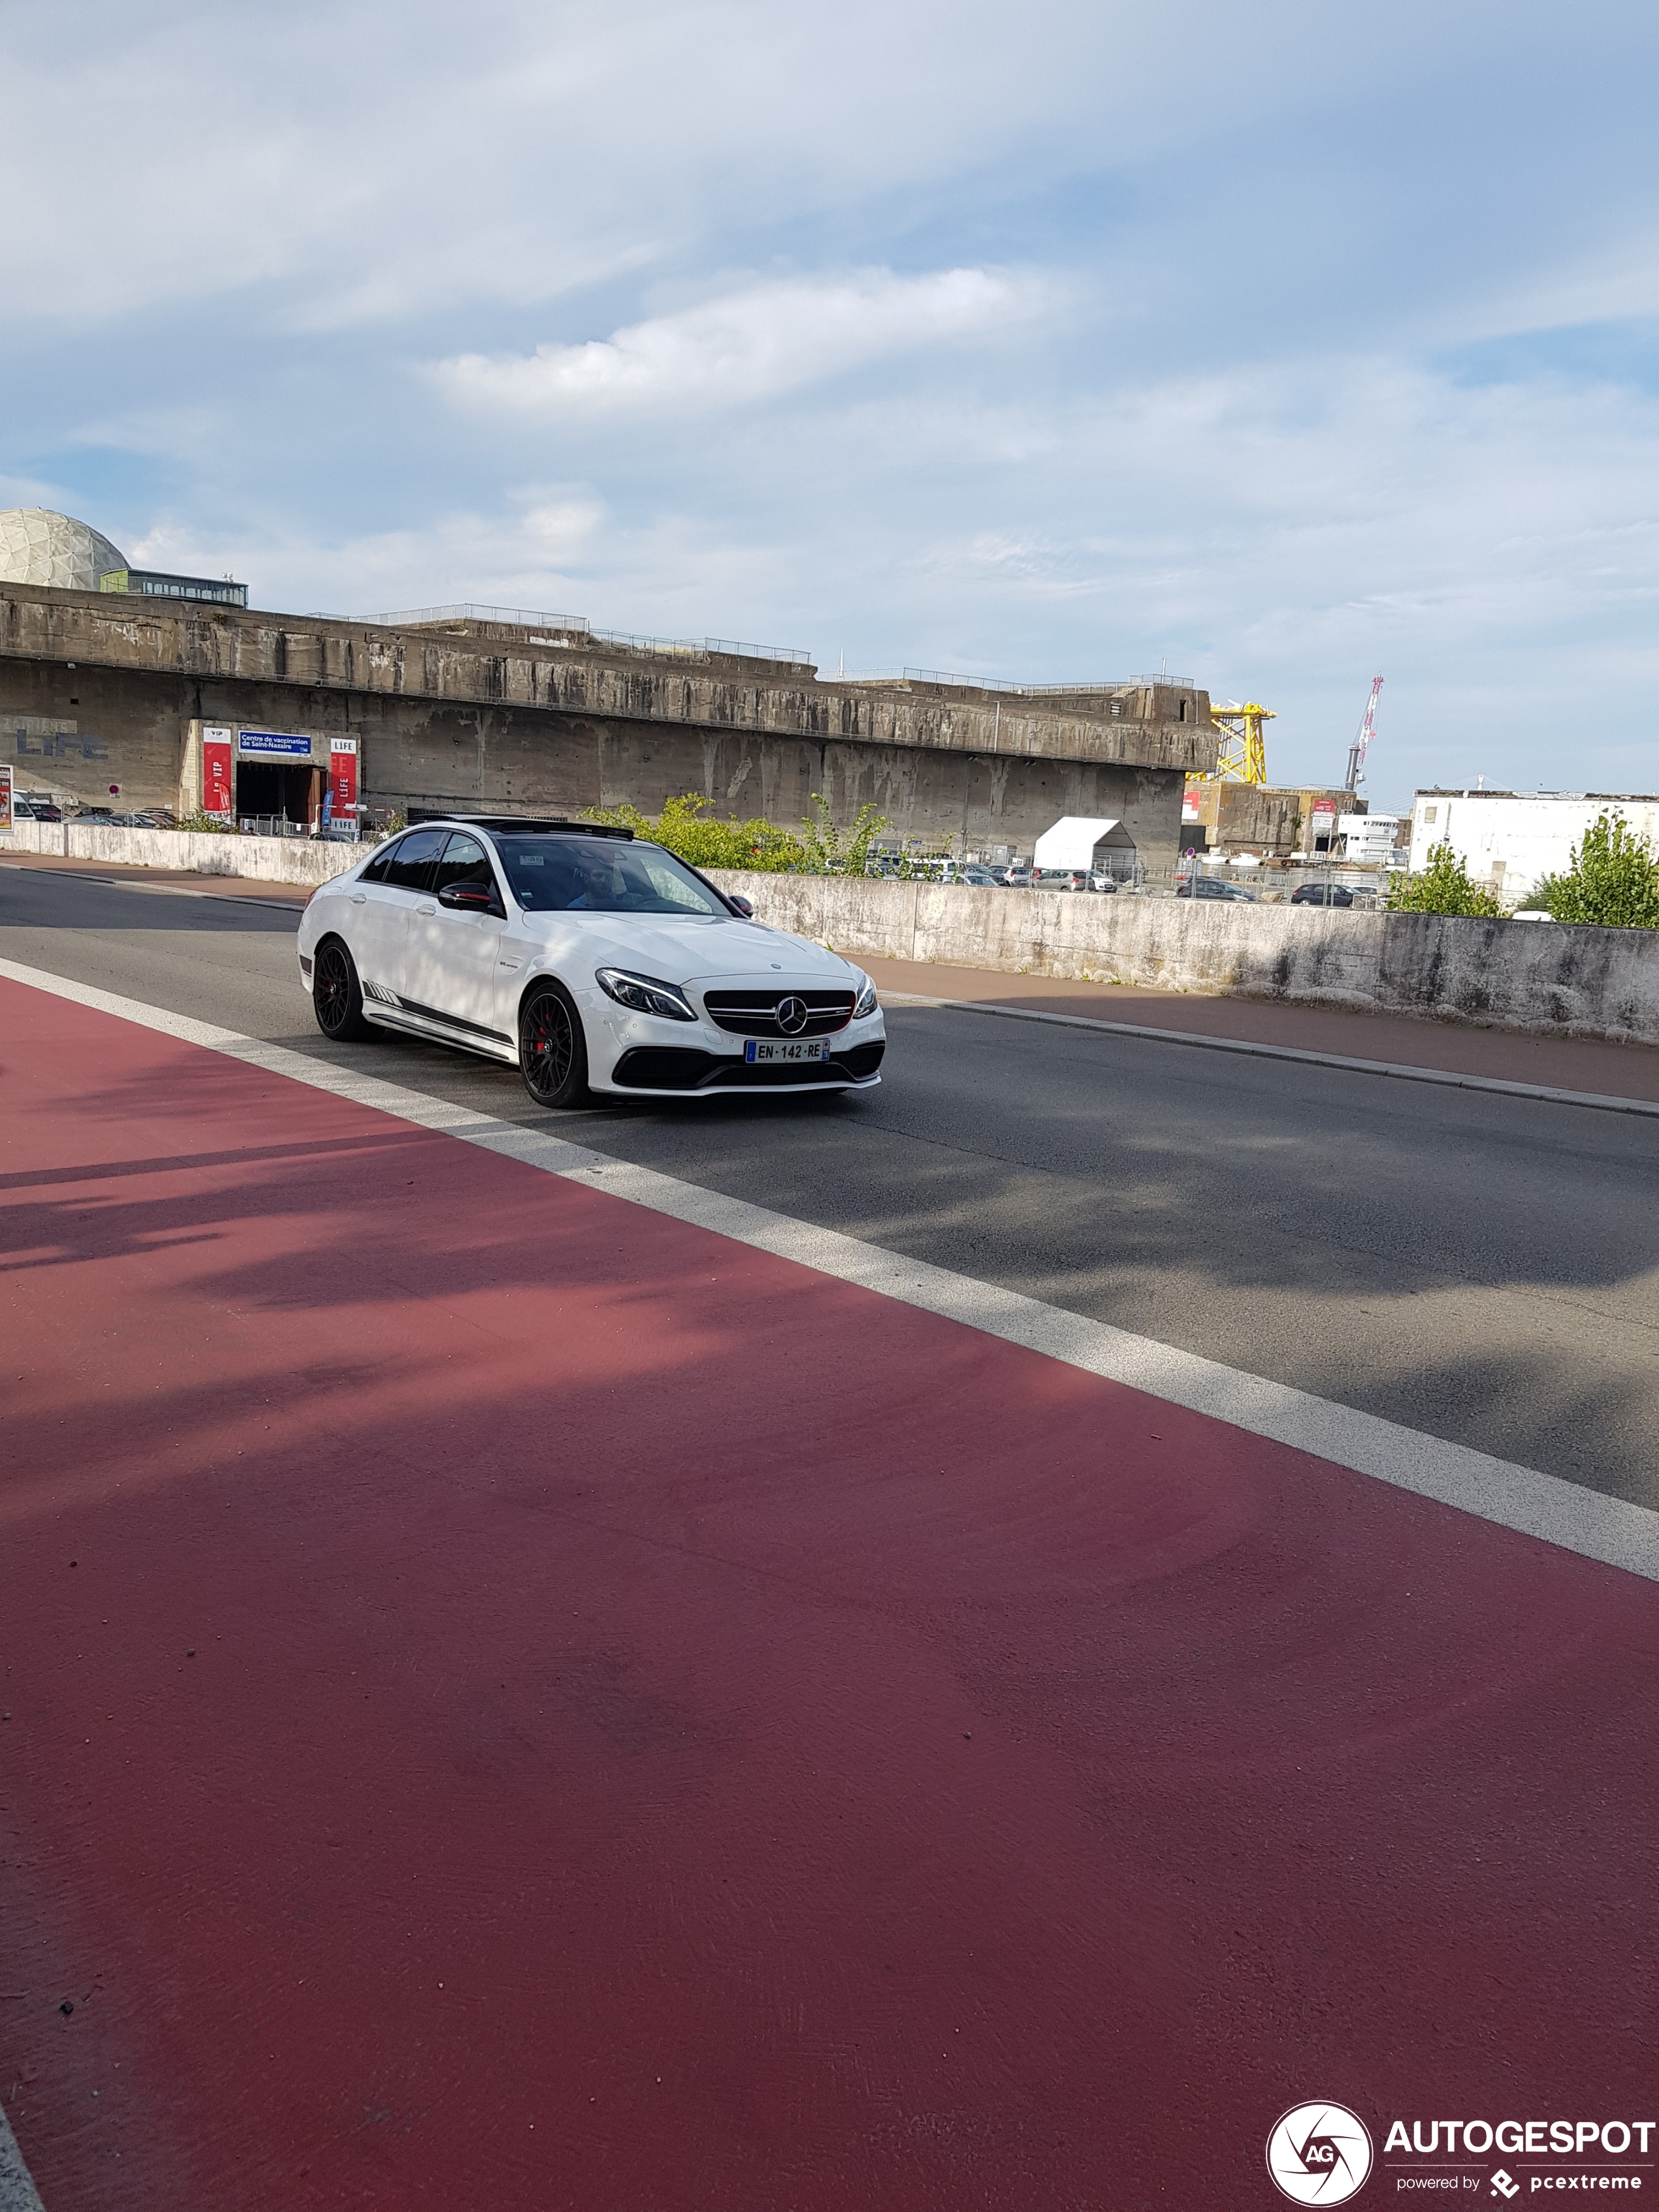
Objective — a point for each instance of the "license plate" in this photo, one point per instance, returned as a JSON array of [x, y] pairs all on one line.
[[763, 1049]]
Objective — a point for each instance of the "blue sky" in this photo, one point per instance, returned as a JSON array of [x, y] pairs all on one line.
[[1286, 345]]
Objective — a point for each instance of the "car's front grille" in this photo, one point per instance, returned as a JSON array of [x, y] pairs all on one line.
[[755, 1013]]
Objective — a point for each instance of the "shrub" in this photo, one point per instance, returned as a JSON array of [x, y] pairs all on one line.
[[1542, 898], [1443, 887], [685, 828], [830, 853], [1613, 879]]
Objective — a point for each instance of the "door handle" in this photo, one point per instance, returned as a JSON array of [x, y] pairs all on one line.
[[426, 910]]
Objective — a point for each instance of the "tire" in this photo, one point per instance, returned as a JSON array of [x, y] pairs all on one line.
[[337, 996], [552, 1047]]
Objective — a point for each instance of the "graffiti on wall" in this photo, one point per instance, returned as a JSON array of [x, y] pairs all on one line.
[[40, 740]]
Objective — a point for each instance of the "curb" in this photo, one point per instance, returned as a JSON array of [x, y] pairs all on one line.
[[1506, 1089]]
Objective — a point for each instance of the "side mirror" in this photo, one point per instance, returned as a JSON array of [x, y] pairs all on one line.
[[468, 898], [738, 904]]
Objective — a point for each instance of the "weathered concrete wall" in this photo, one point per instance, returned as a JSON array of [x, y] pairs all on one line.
[[261, 859], [489, 664], [1261, 817], [96, 689], [1534, 976], [1540, 977], [127, 729]]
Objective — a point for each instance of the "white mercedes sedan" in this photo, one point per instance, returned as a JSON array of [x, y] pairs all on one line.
[[586, 958]]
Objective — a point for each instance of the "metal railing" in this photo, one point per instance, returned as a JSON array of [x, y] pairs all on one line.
[[279, 825], [960, 683], [578, 626], [520, 618]]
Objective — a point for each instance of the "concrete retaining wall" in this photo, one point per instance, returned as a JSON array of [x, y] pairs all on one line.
[[1545, 976], [1542, 976], [265, 860]]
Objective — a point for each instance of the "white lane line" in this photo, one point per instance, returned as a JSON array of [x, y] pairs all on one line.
[[1566, 1513], [1399, 1071]]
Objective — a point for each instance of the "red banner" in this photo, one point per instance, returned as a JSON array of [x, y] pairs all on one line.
[[343, 783], [215, 772]]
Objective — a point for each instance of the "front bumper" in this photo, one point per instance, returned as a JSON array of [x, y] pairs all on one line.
[[643, 1055], [674, 1069]]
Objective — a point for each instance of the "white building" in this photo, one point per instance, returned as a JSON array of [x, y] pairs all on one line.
[[1371, 838], [1508, 840]]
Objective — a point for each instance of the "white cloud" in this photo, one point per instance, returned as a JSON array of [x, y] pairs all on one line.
[[749, 345], [1231, 445]]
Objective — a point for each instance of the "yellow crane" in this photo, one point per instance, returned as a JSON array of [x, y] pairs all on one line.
[[1243, 757]]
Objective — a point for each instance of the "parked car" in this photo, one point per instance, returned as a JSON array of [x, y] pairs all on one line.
[[1015, 880], [587, 959], [35, 810], [1062, 879], [1322, 895], [1212, 887], [1100, 881], [981, 879]]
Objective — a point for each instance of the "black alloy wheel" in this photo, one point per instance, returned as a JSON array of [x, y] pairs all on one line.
[[337, 996], [552, 1049]]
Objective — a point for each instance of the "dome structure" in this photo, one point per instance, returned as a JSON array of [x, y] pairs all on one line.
[[39, 547]]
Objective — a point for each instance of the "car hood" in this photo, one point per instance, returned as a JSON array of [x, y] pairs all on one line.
[[696, 950]]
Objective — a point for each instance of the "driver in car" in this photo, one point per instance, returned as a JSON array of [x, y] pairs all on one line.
[[594, 883]]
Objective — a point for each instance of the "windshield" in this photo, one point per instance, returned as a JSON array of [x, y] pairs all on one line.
[[600, 875]]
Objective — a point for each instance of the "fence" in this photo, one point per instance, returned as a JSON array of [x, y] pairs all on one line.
[[1095, 686], [526, 618], [279, 825]]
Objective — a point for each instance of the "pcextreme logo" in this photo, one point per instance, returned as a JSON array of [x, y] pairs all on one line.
[[1319, 2154]]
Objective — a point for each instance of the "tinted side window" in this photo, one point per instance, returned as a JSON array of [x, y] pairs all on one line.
[[376, 872], [409, 866], [464, 861]]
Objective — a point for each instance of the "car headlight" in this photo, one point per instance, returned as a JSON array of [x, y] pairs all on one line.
[[645, 994], [866, 1002]]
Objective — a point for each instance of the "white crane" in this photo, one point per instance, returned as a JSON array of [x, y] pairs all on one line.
[[1361, 745]]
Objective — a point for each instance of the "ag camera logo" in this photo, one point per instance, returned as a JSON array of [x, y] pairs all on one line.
[[1319, 2154]]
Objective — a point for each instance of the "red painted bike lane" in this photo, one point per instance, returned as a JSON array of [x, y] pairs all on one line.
[[516, 1702]]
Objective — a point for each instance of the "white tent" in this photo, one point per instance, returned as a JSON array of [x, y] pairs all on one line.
[[1071, 843]]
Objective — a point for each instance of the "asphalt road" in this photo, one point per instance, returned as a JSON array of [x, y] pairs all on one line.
[[1482, 1268]]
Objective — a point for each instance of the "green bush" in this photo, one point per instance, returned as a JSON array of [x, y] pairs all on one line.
[[1542, 898], [1613, 879], [830, 853], [1443, 887], [683, 828]]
